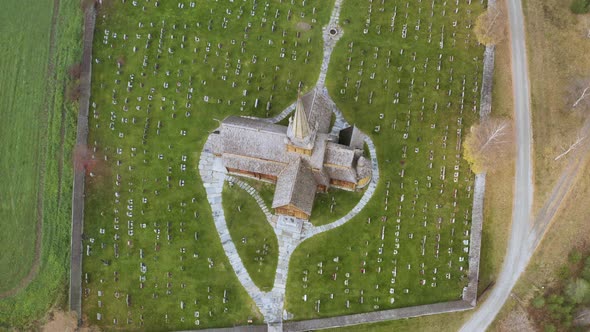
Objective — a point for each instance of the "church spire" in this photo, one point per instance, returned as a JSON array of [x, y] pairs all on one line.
[[300, 123]]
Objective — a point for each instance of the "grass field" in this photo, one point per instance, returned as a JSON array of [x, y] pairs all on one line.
[[37, 136], [414, 88], [23, 70]]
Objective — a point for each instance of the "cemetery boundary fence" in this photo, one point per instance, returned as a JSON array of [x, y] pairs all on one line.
[[469, 295], [79, 171]]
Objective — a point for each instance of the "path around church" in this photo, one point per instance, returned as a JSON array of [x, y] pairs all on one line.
[[290, 231]]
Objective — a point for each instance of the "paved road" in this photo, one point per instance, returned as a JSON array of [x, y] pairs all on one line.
[[519, 248]]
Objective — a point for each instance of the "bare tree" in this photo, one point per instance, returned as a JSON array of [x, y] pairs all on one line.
[[489, 144], [579, 98], [572, 147], [583, 96]]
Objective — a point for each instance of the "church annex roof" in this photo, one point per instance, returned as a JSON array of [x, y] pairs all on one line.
[[295, 186]]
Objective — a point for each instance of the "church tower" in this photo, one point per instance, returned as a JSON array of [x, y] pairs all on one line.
[[300, 135]]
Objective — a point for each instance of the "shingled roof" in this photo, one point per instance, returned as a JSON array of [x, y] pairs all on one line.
[[302, 158], [319, 110], [253, 138], [339, 162], [296, 186]]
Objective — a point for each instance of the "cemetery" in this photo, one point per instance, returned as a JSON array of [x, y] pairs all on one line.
[[170, 243]]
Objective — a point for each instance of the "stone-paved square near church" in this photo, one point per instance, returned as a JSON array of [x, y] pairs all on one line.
[[179, 231]]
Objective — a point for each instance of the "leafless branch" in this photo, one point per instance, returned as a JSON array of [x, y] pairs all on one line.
[[584, 95], [572, 147]]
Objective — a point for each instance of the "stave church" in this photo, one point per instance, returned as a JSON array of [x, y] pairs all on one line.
[[301, 159]]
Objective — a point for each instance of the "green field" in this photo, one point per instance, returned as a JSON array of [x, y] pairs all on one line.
[[163, 76], [22, 92], [37, 133]]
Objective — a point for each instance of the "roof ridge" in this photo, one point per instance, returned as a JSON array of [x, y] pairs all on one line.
[[292, 185]]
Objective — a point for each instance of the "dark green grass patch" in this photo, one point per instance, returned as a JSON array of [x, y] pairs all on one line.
[[580, 6]]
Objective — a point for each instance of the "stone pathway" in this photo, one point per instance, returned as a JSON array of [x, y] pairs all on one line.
[[314, 230], [290, 231], [330, 40], [331, 33], [279, 117], [254, 193]]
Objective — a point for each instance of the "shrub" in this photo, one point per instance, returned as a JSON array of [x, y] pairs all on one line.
[[578, 291], [586, 270], [575, 256], [539, 302], [580, 6], [564, 272]]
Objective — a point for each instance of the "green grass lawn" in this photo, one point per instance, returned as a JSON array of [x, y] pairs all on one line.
[[22, 90], [181, 69], [333, 205], [412, 96], [252, 234], [265, 190], [35, 115]]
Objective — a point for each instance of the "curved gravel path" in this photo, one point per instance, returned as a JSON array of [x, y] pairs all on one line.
[[290, 231]]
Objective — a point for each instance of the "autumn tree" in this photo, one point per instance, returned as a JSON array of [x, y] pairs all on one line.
[[489, 145], [490, 26]]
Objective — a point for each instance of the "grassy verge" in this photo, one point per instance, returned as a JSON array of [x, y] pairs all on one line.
[[556, 42], [49, 286], [253, 236], [436, 323], [500, 184]]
